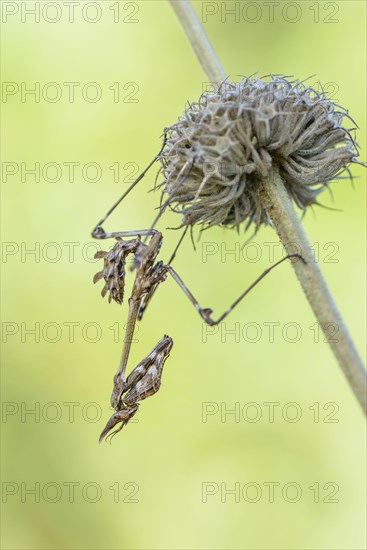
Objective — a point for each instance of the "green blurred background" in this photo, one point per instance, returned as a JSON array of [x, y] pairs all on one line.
[[160, 466]]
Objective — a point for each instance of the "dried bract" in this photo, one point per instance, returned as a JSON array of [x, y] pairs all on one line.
[[218, 153]]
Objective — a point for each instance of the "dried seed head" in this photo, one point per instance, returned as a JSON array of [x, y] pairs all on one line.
[[114, 269], [220, 150]]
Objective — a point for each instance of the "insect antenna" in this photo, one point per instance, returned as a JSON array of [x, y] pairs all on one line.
[[110, 436]]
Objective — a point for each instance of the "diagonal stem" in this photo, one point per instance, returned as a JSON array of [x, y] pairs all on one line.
[[288, 227], [291, 233], [198, 40]]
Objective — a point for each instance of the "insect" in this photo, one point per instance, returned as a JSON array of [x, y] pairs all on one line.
[[145, 379], [142, 382]]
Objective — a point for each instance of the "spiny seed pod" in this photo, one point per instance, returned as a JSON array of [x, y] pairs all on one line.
[[218, 153], [114, 269]]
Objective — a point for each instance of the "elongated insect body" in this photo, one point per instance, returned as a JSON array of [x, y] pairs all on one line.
[[142, 382], [145, 379], [180, 158]]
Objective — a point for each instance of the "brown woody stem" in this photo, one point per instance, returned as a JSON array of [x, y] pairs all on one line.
[[288, 227]]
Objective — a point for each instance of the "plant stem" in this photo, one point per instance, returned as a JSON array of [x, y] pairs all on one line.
[[289, 229], [291, 233], [198, 40]]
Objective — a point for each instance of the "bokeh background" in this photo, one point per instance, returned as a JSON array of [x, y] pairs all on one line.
[[162, 483]]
